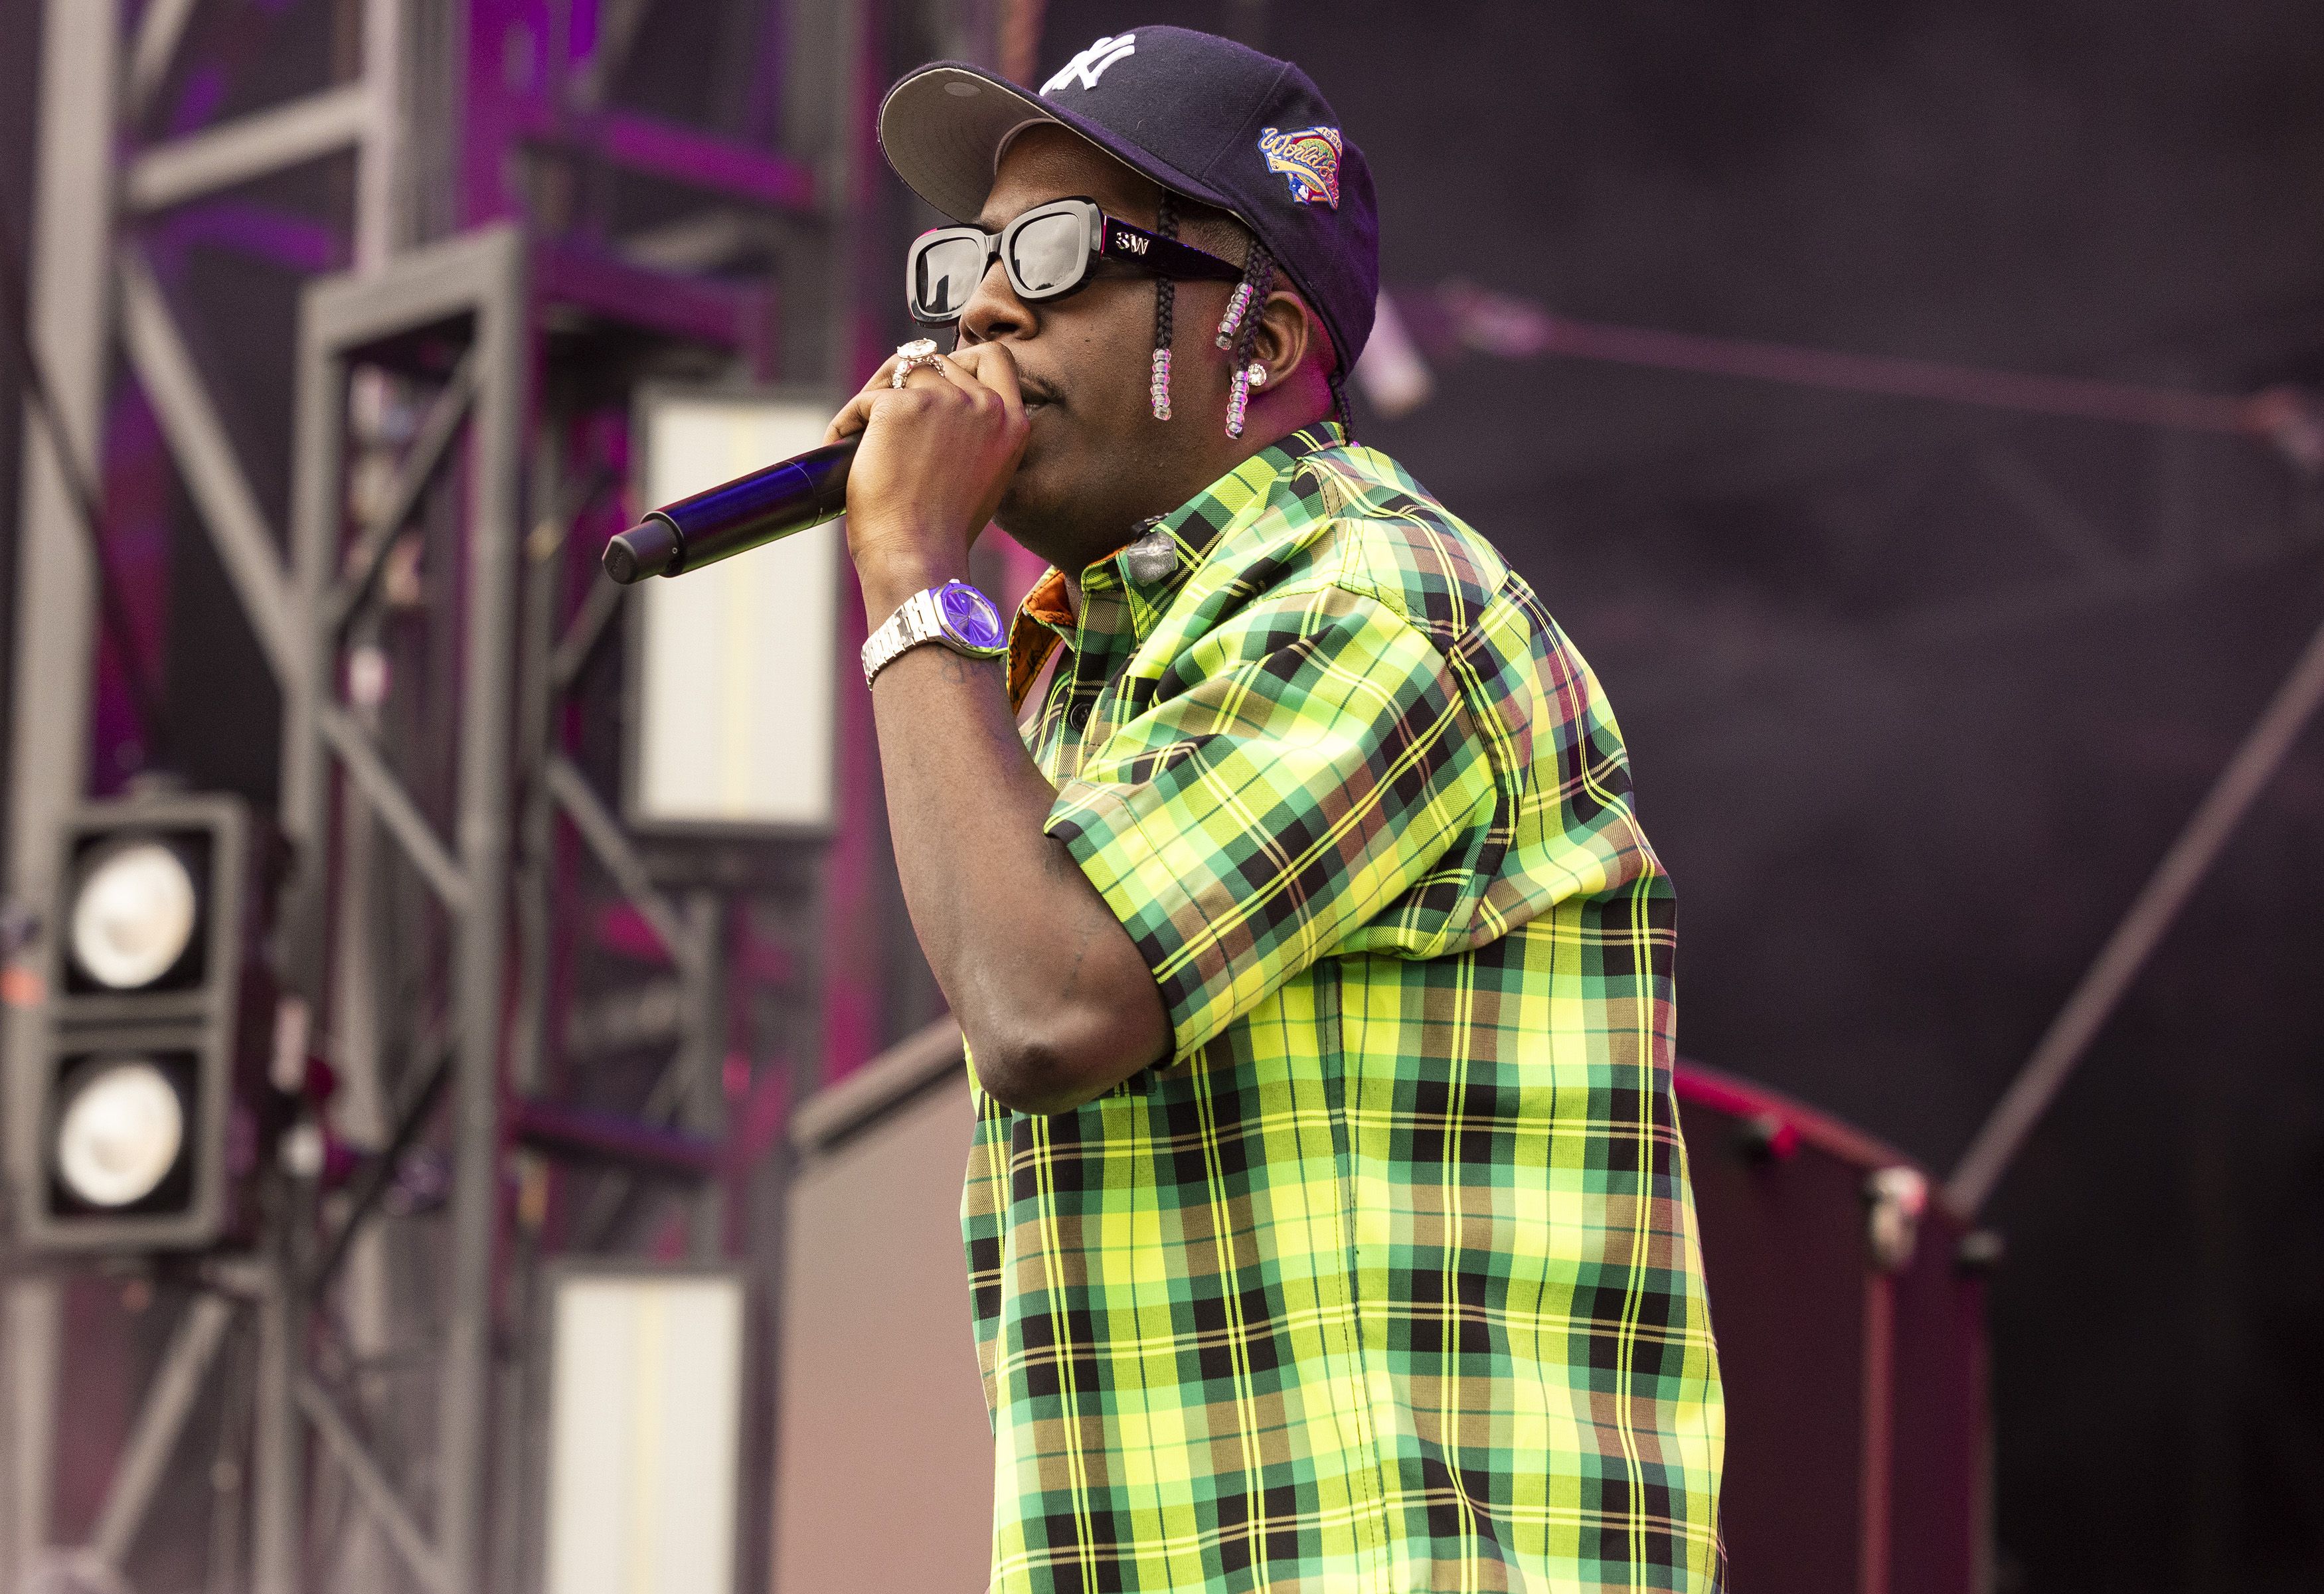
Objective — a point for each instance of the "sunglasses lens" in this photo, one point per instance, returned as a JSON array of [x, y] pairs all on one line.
[[944, 274], [1048, 254]]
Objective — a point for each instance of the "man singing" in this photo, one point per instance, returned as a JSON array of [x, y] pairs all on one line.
[[1328, 1223]]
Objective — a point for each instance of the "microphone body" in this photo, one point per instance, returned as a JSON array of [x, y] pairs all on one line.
[[744, 513]]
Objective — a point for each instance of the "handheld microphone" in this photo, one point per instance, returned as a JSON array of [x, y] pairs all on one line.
[[744, 513]]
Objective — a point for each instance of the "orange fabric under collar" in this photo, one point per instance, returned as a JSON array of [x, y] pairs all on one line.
[[1031, 639]]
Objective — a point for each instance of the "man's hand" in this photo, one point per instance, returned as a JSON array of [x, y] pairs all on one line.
[[936, 455], [1054, 1000]]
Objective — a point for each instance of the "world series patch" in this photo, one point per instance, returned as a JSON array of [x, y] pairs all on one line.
[[1309, 160]]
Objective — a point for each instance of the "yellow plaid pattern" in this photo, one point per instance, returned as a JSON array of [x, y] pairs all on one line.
[[1388, 1279]]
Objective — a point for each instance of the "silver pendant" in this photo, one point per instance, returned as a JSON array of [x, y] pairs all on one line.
[[1152, 558]]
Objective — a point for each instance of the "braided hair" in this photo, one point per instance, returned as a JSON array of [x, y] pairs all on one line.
[[1338, 381], [1165, 305], [1238, 330]]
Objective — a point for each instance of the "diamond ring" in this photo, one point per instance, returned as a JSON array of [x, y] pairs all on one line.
[[911, 356]]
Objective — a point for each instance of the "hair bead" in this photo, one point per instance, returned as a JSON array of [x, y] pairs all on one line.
[[1257, 282], [1236, 305], [1238, 401]]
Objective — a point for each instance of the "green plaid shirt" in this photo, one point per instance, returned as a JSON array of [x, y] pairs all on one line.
[[1388, 1279]]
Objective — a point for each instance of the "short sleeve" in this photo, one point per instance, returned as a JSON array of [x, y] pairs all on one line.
[[1305, 768]]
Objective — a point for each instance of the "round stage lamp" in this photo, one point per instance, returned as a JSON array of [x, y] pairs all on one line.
[[135, 916], [119, 1133]]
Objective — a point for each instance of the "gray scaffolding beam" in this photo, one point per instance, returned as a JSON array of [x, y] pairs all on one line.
[[72, 228], [369, 824], [474, 283], [96, 80]]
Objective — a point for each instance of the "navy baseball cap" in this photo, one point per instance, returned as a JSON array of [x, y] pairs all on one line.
[[1201, 116]]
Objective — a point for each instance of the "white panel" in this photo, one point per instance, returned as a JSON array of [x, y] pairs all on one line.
[[735, 693], [883, 1452], [645, 1404]]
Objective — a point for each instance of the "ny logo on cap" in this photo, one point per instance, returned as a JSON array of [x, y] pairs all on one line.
[[1090, 65]]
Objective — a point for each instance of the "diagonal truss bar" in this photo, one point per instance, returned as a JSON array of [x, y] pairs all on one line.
[[387, 1507], [206, 456], [603, 832], [160, 1423], [158, 29], [364, 1191], [247, 147], [681, 1074], [71, 477], [426, 456], [387, 795], [662, 1104], [2141, 929], [618, 22], [2048, 511], [588, 629], [1518, 329]]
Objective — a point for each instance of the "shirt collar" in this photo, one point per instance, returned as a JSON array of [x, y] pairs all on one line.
[[1197, 525], [1045, 618]]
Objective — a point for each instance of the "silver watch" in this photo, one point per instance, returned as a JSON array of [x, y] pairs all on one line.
[[956, 614]]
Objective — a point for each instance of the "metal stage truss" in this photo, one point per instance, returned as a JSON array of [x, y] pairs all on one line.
[[452, 409], [379, 1344]]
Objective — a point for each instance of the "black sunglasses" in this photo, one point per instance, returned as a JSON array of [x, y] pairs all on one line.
[[1049, 252]]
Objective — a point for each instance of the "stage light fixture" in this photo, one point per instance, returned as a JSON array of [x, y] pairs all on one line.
[[149, 1097], [134, 915], [120, 1131]]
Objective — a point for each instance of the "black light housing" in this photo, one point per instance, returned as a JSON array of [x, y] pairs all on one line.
[[150, 1096]]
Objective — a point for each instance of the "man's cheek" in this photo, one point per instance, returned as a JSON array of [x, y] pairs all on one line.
[[1026, 488], [1054, 439]]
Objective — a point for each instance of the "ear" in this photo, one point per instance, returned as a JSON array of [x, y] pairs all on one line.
[[1288, 334]]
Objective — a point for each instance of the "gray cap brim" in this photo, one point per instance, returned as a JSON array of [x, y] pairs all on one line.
[[944, 128]]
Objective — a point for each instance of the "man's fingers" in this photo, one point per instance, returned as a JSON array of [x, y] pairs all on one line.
[[852, 417], [857, 410], [957, 374], [993, 365], [857, 416], [956, 371], [978, 371], [941, 373]]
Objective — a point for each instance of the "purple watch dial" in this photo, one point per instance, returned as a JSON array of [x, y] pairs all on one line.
[[969, 615]]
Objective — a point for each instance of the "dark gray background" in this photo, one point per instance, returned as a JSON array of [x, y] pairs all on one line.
[[1907, 757]]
